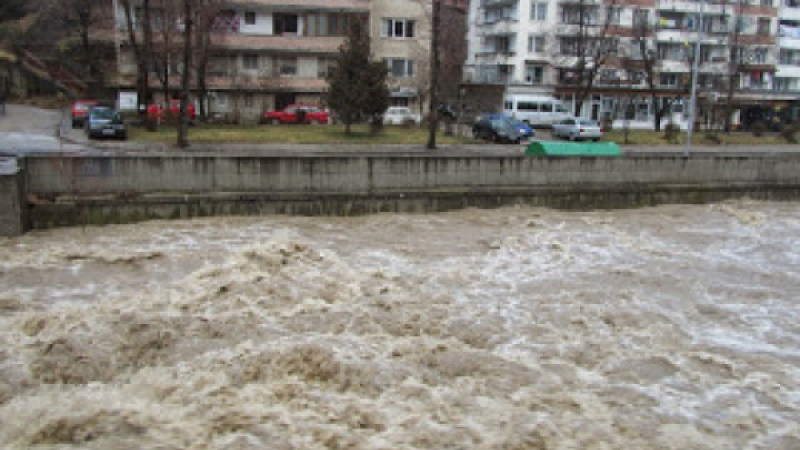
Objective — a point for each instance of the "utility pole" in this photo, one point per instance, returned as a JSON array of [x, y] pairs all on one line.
[[693, 99], [434, 95]]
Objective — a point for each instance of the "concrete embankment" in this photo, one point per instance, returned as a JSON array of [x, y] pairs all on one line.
[[77, 190]]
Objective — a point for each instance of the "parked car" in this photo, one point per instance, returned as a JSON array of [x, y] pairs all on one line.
[[401, 115], [535, 110], [80, 110], [496, 130], [294, 114], [577, 128], [104, 121], [524, 129], [170, 110]]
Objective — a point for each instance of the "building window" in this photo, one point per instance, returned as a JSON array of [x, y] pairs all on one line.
[[766, 3], [764, 26], [250, 62], [668, 79], [535, 44], [760, 56], [285, 24], [248, 100], [325, 67], [397, 28], [539, 11], [614, 15], [249, 18], [287, 66], [640, 17], [534, 75], [400, 68]]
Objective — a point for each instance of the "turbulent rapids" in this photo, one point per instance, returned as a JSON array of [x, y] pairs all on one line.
[[671, 328]]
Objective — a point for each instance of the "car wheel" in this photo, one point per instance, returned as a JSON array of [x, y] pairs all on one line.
[[596, 139], [314, 122], [573, 137], [273, 122]]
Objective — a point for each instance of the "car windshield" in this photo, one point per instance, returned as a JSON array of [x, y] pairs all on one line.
[[501, 122], [561, 109], [588, 123], [104, 113]]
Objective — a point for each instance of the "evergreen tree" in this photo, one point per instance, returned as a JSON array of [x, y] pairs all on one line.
[[357, 88]]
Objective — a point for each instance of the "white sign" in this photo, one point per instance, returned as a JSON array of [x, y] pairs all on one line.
[[127, 101]]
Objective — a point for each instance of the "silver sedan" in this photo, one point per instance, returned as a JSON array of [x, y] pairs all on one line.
[[576, 128]]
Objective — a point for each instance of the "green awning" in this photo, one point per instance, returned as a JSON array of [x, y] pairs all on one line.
[[546, 148]]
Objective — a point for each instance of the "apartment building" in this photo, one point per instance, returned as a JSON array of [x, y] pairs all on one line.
[[787, 77], [529, 47], [271, 53]]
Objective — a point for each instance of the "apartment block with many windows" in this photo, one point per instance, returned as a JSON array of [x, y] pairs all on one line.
[[530, 46], [267, 54]]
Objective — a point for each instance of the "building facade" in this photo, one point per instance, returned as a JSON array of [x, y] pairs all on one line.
[[267, 54], [531, 46]]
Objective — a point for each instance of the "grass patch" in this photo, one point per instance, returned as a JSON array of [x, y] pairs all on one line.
[[645, 137], [296, 134]]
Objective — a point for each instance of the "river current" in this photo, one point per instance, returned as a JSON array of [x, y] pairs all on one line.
[[667, 328]]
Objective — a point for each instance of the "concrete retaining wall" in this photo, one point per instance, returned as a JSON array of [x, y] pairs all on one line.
[[12, 217], [80, 190]]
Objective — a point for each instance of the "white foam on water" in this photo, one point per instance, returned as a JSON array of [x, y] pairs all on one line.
[[661, 328]]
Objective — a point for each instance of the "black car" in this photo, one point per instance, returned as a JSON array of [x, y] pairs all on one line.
[[104, 121], [496, 129]]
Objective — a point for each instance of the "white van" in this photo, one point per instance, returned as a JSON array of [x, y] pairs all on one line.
[[535, 110]]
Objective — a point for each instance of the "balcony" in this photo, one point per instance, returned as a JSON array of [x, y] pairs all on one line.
[[361, 6], [492, 3], [788, 71], [711, 7], [498, 28], [790, 13], [280, 44]]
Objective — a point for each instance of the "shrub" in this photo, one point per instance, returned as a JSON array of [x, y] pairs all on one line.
[[671, 132]]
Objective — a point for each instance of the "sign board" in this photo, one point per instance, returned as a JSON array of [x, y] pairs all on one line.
[[127, 101]]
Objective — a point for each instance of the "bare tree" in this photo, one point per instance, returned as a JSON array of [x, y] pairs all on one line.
[[588, 46], [645, 55], [140, 47], [189, 9]]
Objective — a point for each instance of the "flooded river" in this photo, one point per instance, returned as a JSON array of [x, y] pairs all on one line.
[[674, 328]]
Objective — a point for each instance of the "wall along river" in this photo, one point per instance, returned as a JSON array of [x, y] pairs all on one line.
[[674, 328]]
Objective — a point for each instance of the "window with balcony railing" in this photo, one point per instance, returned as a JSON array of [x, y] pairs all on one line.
[[579, 15]]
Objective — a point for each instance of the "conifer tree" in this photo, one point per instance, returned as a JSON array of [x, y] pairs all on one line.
[[357, 87]]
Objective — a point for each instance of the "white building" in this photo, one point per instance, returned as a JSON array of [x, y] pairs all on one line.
[[525, 45]]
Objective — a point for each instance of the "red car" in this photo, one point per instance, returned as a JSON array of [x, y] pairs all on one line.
[[171, 110], [80, 111], [297, 114]]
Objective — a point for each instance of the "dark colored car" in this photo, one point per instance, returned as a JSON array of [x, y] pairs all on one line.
[[496, 130], [525, 130], [293, 114], [104, 121], [80, 111]]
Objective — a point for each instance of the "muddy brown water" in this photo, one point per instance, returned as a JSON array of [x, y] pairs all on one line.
[[674, 328]]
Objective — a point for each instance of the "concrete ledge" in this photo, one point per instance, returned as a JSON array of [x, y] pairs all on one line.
[[65, 191]]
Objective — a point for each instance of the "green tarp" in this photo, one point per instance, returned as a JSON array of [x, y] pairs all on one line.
[[573, 149]]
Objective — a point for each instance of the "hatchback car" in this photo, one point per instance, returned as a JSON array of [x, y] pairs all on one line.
[[399, 115], [80, 111], [496, 130], [105, 122], [525, 130], [577, 128]]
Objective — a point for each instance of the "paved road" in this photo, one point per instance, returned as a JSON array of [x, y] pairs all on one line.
[[30, 130], [27, 130]]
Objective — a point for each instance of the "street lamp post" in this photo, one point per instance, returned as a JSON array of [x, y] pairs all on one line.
[[693, 99]]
